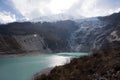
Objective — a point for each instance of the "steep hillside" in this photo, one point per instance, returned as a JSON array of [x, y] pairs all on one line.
[[29, 37], [84, 37], [93, 33]]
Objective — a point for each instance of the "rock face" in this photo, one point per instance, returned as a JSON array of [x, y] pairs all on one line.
[[110, 33], [62, 36], [95, 33], [83, 38], [31, 43]]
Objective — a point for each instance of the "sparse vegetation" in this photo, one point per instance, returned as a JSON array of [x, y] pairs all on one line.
[[102, 65]]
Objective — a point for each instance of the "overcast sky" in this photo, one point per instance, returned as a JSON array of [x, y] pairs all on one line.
[[17, 10]]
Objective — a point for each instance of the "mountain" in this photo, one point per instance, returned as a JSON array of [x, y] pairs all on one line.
[[40, 37], [83, 38], [94, 33], [80, 35], [102, 64]]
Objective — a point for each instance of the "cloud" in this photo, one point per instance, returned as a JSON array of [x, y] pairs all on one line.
[[7, 17], [92, 8], [32, 9]]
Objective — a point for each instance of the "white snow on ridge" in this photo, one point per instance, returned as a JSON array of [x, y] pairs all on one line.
[[57, 17]]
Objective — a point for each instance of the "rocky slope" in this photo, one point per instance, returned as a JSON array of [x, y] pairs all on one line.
[[43, 37], [95, 32], [102, 65], [83, 38]]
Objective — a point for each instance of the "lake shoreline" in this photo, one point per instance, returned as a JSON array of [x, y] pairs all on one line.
[[30, 66], [7, 55], [20, 54], [45, 71]]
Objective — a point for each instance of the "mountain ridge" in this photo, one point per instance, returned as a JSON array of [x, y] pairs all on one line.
[[61, 36]]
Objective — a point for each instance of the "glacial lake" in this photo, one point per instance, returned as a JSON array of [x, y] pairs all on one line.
[[23, 68]]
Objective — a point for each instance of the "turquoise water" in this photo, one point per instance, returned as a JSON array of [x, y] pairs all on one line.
[[23, 68]]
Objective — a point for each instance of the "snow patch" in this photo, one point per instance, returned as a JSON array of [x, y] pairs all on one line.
[[114, 37]]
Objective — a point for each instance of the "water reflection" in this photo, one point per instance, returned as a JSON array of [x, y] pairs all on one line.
[[56, 60]]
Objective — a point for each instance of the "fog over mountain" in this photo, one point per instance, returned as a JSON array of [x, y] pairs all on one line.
[[54, 10], [81, 35], [55, 25]]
